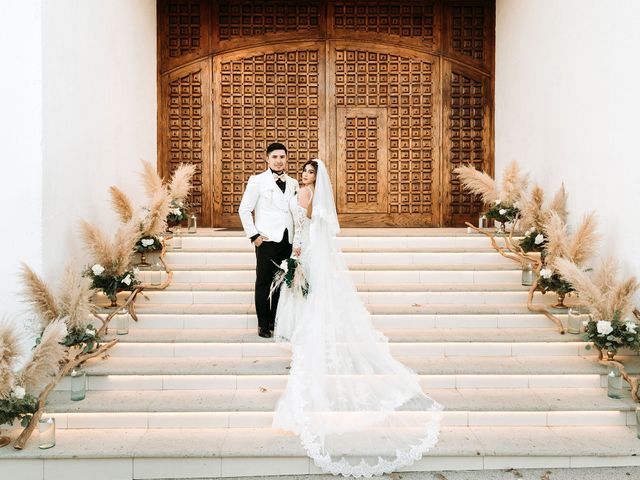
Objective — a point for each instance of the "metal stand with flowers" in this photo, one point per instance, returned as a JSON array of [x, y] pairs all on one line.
[[110, 282], [147, 245]]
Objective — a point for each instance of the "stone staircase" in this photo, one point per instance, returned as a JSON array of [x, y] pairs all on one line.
[[190, 391]]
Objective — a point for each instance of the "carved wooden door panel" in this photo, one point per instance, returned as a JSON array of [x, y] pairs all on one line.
[[402, 86], [264, 95], [362, 161]]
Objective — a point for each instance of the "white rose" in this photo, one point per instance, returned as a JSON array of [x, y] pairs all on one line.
[[539, 239], [502, 211], [19, 393], [284, 266], [176, 211], [604, 327], [546, 273], [90, 332], [147, 242], [127, 280], [97, 269], [631, 327]]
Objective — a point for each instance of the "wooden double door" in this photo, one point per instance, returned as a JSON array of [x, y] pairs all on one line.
[[391, 95]]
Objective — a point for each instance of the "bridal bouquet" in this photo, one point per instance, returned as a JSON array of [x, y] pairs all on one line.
[[292, 276]]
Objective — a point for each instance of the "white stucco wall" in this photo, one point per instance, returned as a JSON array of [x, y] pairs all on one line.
[[568, 107], [100, 102], [21, 142]]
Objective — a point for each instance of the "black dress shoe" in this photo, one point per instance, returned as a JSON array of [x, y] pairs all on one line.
[[264, 333]]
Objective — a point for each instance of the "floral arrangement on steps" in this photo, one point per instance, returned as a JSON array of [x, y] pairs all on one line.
[[175, 191], [534, 215], [502, 201], [111, 269], [577, 248]]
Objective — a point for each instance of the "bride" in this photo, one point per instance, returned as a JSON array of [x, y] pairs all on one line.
[[357, 410]]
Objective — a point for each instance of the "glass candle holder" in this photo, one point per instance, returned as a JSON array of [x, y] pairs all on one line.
[[47, 429], [615, 383], [576, 316], [483, 221], [176, 241], [528, 274], [155, 274], [122, 322], [192, 224], [78, 384]]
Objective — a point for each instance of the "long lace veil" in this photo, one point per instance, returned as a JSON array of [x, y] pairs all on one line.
[[357, 410]]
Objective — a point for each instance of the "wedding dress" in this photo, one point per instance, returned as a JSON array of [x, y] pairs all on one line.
[[357, 410], [291, 303]]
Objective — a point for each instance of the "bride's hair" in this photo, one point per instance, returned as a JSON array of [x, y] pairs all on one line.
[[313, 163]]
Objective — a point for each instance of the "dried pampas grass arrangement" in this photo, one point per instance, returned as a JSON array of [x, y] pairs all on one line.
[[115, 256], [577, 247], [155, 222], [45, 359], [13, 347], [151, 181], [75, 298], [534, 215], [604, 294], [513, 186], [121, 204]]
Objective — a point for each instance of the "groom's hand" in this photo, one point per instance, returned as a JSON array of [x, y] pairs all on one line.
[[258, 241]]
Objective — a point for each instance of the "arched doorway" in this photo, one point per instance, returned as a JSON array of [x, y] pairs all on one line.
[[392, 95]]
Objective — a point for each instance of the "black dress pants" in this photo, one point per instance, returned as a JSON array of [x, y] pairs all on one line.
[[266, 254]]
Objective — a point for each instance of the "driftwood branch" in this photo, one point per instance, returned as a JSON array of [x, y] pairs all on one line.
[[42, 399]]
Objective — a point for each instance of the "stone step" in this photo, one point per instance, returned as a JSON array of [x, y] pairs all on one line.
[[403, 298], [373, 267], [448, 335], [231, 452], [364, 258], [404, 349], [365, 287], [432, 278], [374, 309], [215, 321], [437, 365], [509, 400]]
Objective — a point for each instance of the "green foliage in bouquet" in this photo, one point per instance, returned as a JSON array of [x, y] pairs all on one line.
[[611, 335], [148, 244], [18, 407], [292, 276], [109, 282], [533, 241], [177, 213], [551, 281], [503, 213], [86, 337]]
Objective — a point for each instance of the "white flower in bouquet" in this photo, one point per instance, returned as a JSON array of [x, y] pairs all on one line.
[[502, 211], [127, 280], [631, 327], [284, 266], [147, 242], [604, 327], [546, 273], [539, 239], [90, 332], [19, 393], [176, 211], [97, 269]]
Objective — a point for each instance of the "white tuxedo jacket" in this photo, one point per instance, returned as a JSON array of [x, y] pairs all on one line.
[[271, 207]]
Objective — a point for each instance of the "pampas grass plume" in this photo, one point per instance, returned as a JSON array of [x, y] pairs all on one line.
[[514, 184], [151, 181], [479, 183], [532, 213], [75, 298], [155, 222], [123, 245], [588, 292], [584, 241], [13, 347], [121, 204], [38, 295], [180, 184], [45, 359], [559, 203], [97, 244], [556, 232]]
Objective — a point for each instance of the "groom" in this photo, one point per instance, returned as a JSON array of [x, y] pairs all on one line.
[[267, 195]]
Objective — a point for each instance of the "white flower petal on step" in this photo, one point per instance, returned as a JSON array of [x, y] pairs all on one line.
[[604, 327], [97, 269]]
